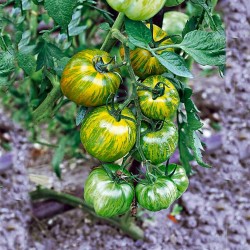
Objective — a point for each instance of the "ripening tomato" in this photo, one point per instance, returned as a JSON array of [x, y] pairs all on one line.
[[109, 193], [161, 107], [157, 195], [179, 177], [158, 146], [106, 138], [84, 80], [174, 22], [137, 10], [142, 61]]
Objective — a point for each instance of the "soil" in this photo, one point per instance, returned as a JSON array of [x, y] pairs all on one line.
[[216, 207]]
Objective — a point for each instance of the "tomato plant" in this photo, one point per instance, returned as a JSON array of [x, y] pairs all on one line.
[[109, 190], [158, 98], [136, 107], [85, 79], [106, 137], [157, 146]]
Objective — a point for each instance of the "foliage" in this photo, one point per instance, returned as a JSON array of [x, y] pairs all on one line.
[[39, 37]]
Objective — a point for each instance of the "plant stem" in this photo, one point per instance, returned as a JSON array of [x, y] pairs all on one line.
[[109, 41], [128, 226], [166, 47]]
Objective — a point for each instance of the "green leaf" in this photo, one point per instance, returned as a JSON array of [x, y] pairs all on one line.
[[58, 157], [196, 146], [138, 33], [193, 120], [26, 4], [191, 25], [6, 63], [80, 115], [46, 52], [27, 62], [74, 29], [61, 65], [174, 63], [60, 10], [207, 48]]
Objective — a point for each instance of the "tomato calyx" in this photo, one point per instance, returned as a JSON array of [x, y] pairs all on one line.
[[100, 65]]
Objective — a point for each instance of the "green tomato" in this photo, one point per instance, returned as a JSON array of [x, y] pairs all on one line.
[[158, 146], [179, 177], [157, 195], [174, 22], [137, 10], [170, 3], [161, 107], [104, 137], [109, 193]]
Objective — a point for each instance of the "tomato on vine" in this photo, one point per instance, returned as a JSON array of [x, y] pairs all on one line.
[[106, 136], [156, 195], [137, 10], [143, 62], [86, 80], [157, 146], [160, 99], [109, 190], [178, 175]]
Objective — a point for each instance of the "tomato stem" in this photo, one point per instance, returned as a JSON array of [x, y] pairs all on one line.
[[109, 40]]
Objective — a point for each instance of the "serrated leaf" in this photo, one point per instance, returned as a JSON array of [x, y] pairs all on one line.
[[58, 157], [61, 65], [193, 120], [24, 40], [46, 52], [80, 115], [74, 29], [196, 146], [27, 62], [6, 63], [174, 63], [206, 48], [60, 10], [190, 25], [138, 33]]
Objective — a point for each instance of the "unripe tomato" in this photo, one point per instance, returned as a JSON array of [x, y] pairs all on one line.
[[108, 193], [158, 146], [157, 195], [179, 177], [161, 107], [170, 3], [137, 10], [85, 83], [142, 61], [104, 137], [174, 22]]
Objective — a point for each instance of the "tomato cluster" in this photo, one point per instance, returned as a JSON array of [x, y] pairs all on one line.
[[110, 130]]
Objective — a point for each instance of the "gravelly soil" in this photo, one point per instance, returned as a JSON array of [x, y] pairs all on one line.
[[216, 206]]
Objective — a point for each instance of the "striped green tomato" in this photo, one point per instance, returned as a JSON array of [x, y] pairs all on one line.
[[179, 177], [157, 195], [158, 146], [142, 61], [108, 193], [137, 10], [162, 107], [85, 83], [104, 137]]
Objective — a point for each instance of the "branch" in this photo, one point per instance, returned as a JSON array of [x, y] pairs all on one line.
[[128, 226]]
